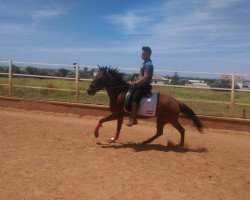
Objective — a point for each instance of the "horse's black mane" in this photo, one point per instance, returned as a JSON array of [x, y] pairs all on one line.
[[118, 76]]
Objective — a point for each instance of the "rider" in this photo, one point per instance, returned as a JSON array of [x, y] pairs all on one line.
[[142, 86]]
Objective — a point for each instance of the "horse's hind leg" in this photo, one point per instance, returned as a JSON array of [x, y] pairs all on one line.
[[181, 130], [159, 132]]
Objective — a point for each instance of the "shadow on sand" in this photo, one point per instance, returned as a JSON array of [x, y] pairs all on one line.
[[158, 147]]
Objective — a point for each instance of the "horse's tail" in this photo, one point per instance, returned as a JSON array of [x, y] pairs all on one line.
[[189, 113]]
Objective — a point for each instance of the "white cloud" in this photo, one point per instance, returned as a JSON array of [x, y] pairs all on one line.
[[221, 3], [179, 27], [29, 18], [79, 50], [131, 21], [46, 14], [16, 29]]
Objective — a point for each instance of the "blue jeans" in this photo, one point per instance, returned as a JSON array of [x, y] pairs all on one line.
[[140, 91]]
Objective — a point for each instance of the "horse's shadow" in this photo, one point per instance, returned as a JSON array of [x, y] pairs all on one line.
[[137, 147]]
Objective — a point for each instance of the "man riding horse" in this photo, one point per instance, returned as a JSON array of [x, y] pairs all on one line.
[[142, 86], [168, 108]]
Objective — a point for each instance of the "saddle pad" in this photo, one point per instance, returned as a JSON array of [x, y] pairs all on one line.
[[148, 105]]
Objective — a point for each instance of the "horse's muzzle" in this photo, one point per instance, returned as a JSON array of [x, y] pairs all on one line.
[[91, 92]]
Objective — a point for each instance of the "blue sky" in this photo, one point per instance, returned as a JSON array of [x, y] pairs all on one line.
[[202, 35]]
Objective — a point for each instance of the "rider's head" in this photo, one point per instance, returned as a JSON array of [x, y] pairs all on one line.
[[146, 53]]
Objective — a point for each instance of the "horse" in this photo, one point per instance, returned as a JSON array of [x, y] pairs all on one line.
[[168, 109]]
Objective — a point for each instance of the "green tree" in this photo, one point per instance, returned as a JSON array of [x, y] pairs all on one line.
[[85, 73], [43, 72], [15, 69], [63, 72], [175, 79], [31, 70], [71, 74], [4, 69], [223, 84]]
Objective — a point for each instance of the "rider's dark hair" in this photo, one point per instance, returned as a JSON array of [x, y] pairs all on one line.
[[147, 50]]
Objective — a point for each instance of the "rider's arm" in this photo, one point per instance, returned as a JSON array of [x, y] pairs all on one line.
[[142, 79]]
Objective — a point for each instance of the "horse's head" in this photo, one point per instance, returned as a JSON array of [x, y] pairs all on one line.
[[100, 81]]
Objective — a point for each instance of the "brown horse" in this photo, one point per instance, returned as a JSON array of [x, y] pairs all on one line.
[[167, 111]]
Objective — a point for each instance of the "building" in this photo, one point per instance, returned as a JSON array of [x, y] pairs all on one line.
[[197, 83], [246, 84], [237, 78], [158, 80]]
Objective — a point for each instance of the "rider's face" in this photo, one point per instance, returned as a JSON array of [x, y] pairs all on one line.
[[144, 55]]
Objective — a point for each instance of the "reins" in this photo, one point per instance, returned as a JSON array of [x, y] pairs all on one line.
[[121, 86]]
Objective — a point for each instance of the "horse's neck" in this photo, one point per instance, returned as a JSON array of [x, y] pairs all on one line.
[[114, 91]]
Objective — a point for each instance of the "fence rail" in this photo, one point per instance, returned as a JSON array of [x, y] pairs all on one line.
[[77, 67]]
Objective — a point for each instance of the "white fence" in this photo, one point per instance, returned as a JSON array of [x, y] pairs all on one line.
[[77, 67]]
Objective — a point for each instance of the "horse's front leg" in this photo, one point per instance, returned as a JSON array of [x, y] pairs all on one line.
[[101, 121], [118, 129]]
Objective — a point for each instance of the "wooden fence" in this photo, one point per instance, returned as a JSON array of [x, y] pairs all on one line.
[[77, 67]]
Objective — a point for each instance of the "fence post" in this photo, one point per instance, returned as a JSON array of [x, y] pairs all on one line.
[[77, 80], [10, 78], [232, 96]]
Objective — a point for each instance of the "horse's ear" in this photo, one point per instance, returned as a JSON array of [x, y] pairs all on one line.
[[106, 69], [98, 67]]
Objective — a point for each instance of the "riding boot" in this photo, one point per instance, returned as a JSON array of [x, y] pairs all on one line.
[[133, 121]]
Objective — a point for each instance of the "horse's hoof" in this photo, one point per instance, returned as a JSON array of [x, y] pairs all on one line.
[[181, 145], [96, 134], [112, 140]]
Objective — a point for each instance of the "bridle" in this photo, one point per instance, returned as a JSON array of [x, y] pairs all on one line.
[[112, 88]]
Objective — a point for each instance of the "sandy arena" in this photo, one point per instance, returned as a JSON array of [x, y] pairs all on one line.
[[55, 156]]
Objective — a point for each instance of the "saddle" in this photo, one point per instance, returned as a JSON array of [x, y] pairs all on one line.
[[148, 103]]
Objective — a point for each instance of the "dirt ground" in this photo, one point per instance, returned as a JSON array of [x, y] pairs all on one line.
[[55, 156]]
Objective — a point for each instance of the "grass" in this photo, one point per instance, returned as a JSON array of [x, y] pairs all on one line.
[[192, 93], [188, 96]]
